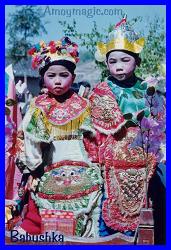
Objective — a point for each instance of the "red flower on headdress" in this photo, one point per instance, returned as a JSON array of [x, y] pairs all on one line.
[[75, 45], [73, 53], [52, 49], [37, 60], [52, 43], [31, 51], [77, 59]]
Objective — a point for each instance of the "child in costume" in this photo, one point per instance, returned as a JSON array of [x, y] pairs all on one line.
[[127, 170], [62, 180]]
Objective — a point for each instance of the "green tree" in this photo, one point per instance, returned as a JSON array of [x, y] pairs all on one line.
[[87, 40], [152, 56], [22, 26]]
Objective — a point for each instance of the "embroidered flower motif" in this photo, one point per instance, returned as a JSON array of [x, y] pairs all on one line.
[[62, 113], [76, 105], [59, 114], [105, 108]]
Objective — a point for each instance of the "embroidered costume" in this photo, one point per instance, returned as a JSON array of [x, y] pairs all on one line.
[[124, 167], [70, 181], [51, 148], [127, 170]]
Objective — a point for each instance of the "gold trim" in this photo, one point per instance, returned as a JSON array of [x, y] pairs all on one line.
[[68, 137], [121, 44]]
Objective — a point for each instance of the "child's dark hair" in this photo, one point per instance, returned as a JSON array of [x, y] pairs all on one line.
[[85, 84], [136, 56], [41, 82], [67, 64]]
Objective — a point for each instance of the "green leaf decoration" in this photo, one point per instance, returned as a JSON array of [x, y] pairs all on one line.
[[137, 94], [151, 91], [52, 201], [10, 102], [7, 111], [67, 191], [140, 115], [124, 95], [49, 192], [128, 116]]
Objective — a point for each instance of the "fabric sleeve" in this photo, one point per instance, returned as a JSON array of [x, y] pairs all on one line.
[[32, 133], [106, 115], [87, 125]]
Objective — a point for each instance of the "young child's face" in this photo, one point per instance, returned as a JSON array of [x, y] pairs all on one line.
[[121, 65], [58, 79]]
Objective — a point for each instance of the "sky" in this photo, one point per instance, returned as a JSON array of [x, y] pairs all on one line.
[[104, 15]]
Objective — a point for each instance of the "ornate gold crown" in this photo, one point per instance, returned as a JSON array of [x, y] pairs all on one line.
[[121, 38], [43, 54]]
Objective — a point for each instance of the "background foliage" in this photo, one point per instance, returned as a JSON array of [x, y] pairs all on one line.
[[22, 26], [27, 23], [152, 56]]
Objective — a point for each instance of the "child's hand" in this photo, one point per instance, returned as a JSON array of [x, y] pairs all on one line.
[[32, 183], [10, 207]]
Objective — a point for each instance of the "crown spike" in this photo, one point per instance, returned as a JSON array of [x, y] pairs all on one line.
[[122, 37], [123, 21]]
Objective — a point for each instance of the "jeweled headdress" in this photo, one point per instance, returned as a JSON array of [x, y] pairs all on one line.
[[122, 37], [43, 54]]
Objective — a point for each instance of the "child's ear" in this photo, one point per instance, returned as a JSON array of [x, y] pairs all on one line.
[[73, 77], [106, 63], [138, 61]]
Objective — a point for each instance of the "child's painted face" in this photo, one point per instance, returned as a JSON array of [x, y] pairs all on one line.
[[58, 79], [121, 65]]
